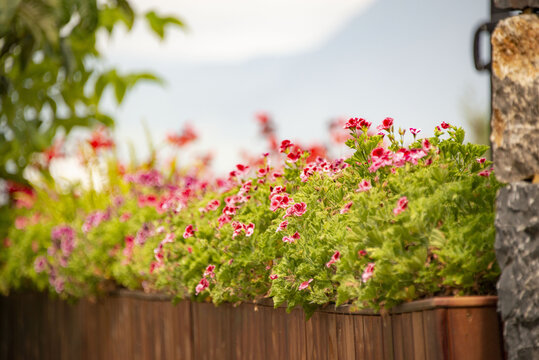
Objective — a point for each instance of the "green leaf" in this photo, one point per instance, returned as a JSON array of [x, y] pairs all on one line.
[[157, 23]]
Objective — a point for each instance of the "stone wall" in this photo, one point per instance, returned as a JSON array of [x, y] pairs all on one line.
[[517, 250], [515, 144]]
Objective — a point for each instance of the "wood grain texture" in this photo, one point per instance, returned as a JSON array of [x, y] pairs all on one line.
[[33, 326]]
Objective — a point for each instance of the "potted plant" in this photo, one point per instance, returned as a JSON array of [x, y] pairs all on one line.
[[393, 223]]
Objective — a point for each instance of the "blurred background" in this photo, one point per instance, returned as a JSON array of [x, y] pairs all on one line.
[[69, 65], [305, 62]]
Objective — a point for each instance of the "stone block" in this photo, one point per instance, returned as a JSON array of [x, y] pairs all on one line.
[[517, 251], [516, 4], [515, 98]]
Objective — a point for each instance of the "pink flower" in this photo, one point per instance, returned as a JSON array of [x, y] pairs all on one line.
[[58, 284], [223, 219], [364, 185], [262, 171], [94, 219], [426, 145], [380, 157], [346, 207], [242, 169], [273, 276], [336, 256], [352, 123], [189, 231], [202, 285], [169, 238], [445, 125], [291, 239], [387, 123], [128, 250], [485, 173], [229, 210], [401, 205], [481, 160], [21, 222], [282, 226], [367, 274], [279, 201], [158, 253], [415, 131], [294, 155], [249, 229], [285, 144], [238, 227], [304, 285], [212, 205], [143, 234], [209, 271], [40, 264], [297, 209], [125, 216]]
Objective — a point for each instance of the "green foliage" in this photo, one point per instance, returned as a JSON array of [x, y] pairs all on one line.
[[358, 241], [49, 65]]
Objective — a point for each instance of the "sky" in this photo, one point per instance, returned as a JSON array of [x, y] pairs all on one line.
[[302, 61]]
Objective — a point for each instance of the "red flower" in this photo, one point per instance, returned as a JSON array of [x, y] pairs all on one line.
[[249, 229], [100, 139], [361, 253], [212, 205], [209, 271], [336, 256], [273, 276], [279, 201], [202, 285], [285, 144], [445, 125], [53, 152], [401, 205], [179, 140], [415, 131], [282, 226], [481, 160], [367, 274], [364, 185], [352, 123], [291, 239], [305, 284], [387, 123], [297, 209], [295, 154], [485, 173], [189, 231], [346, 207]]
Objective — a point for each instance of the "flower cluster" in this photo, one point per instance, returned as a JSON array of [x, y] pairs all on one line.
[[397, 220]]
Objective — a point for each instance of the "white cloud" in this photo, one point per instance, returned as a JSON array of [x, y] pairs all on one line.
[[235, 30]]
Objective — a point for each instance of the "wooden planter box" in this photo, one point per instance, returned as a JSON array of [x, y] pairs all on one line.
[[131, 325]]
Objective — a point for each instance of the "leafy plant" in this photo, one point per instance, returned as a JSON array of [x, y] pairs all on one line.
[[390, 224]]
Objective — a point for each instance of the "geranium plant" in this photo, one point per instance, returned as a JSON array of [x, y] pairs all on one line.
[[396, 221]]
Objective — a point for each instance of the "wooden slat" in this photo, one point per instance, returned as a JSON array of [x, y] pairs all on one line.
[[360, 338], [433, 349], [418, 335], [345, 336], [374, 345], [387, 336], [398, 340], [408, 336], [474, 334]]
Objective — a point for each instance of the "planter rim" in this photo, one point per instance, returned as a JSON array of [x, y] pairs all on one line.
[[417, 305]]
